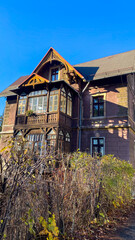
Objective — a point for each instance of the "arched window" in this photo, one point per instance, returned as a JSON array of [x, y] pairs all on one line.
[[61, 135], [63, 101], [51, 138], [22, 104], [67, 137], [53, 101], [69, 104], [38, 101]]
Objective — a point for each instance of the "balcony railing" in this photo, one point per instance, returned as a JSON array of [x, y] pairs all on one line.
[[37, 119]]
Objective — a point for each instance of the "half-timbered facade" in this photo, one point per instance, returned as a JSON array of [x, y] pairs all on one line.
[[90, 106]]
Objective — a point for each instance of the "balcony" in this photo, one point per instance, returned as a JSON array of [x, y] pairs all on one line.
[[38, 119]]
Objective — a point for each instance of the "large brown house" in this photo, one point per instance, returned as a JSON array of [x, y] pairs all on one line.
[[90, 106]]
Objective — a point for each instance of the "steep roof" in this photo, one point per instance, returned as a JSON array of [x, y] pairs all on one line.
[[114, 65], [7, 92], [62, 60]]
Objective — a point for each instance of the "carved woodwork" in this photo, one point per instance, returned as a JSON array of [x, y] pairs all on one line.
[[35, 80]]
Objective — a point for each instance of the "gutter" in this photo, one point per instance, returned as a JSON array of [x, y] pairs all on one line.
[[80, 115]]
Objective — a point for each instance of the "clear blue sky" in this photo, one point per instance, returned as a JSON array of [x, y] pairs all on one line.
[[79, 30]]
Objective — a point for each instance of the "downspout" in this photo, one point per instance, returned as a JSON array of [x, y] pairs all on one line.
[[80, 121], [80, 115]]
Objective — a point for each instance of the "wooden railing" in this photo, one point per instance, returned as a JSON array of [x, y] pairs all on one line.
[[37, 119]]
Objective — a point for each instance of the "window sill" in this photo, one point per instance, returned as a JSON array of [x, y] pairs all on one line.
[[100, 117]]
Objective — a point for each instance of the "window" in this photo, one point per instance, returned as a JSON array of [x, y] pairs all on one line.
[[61, 135], [54, 74], [69, 104], [67, 137], [98, 147], [35, 142], [51, 139], [40, 92], [61, 141], [63, 101], [53, 101], [22, 104], [98, 106], [38, 104]]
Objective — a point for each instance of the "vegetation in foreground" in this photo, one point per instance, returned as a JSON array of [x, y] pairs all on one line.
[[59, 196]]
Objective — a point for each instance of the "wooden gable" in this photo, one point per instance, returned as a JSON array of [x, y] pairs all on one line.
[[53, 55], [33, 80]]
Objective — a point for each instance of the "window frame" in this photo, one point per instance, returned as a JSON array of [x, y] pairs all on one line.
[[22, 98], [35, 142], [56, 94], [91, 105], [61, 141], [52, 140], [63, 100], [91, 144], [50, 73], [69, 100], [38, 96]]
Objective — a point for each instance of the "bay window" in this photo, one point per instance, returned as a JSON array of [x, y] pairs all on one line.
[[63, 101], [35, 142], [38, 104], [53, 101], [51, 139], [69, 104]]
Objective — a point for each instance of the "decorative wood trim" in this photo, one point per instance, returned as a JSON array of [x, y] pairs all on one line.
[[35, 80]]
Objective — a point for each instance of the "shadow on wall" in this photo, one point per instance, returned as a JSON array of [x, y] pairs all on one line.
[[113, 128]]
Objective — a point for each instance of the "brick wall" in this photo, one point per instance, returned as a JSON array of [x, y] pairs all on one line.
[[116, 141], [9, 114]]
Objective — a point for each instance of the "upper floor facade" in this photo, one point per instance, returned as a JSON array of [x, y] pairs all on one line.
[[75, 107]]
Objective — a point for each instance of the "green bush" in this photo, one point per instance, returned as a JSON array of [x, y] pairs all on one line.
[[81, 191]]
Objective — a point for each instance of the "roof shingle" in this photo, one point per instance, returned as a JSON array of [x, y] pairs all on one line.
[[114, 65]]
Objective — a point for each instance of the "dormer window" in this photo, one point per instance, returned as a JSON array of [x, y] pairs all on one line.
[[54, 74]]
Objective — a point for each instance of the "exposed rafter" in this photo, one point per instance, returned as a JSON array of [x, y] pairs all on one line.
[[35, 79], [52, 55]]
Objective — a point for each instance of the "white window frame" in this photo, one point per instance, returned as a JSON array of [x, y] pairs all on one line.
[[91, 140]]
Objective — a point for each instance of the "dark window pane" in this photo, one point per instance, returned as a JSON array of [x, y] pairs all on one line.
[[95, 100], [101, 99], [95, 141], [101, 110], [101, 151], [97, 147], [95, 110], [98, 106], [54, 74], [101, 141]]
